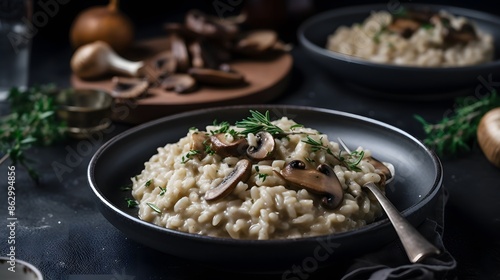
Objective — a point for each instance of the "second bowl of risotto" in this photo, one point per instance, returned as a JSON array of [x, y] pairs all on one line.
[[262, 186], [406, 50]]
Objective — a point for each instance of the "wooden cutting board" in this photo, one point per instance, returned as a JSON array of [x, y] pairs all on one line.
[[266, 79]]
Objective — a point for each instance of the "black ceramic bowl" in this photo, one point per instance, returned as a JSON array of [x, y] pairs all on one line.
[[413, 191], [394, 80]]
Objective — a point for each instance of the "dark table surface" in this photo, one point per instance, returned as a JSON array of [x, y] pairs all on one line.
[[61, 231]]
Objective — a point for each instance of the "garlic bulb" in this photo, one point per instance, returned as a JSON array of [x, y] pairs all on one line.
[[104, 23]]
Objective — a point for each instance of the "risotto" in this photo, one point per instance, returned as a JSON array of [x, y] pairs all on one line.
[[414, 38], [258, 179]]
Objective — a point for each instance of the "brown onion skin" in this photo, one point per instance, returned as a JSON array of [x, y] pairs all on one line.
[[488, 136], [104, 23]]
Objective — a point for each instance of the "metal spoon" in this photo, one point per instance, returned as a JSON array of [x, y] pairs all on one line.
[[416, 246]]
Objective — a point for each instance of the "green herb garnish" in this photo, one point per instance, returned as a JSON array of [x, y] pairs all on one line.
[[154, 207], [163, 190], [317, 145], [189, 155], [32, 121], [457, 132], [261, 176], [258, 122], [148, 183], [131, 203], [352, 160]]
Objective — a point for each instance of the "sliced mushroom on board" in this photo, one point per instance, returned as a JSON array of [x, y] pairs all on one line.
[[240, 173], [216, 77], [125, 88], [181, 83]]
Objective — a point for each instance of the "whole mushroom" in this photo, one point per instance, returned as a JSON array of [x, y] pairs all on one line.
[[488, 136]]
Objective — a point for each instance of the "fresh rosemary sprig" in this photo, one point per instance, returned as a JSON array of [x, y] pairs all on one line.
[[457, 133], [258, 122], [32, 121]]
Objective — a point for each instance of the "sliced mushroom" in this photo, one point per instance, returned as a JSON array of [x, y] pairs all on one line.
[[128, 87], [256, 42], [264, 148], [161, 65], [240, 173], [216, 77], [179, 52], [380, 167], [206, 26], [214, 53], [196, 55], [321, 180], [404, 27], [181, 83], [227, 149], [464, 35], [198, 142]]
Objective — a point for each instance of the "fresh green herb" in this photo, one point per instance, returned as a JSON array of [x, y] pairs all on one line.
[[223, 127], [154, 207], [427, 26], [208, 147], [32, 121], [148, 183], [163, 190], [189, 155], [261, 176], [131, 203], [457, 132], [258, 122], [352, 160], [317, 145], [193, 128], [296, 126], [310, 160]]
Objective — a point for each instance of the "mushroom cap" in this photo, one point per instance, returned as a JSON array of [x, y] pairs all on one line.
[[240, 173], [321, 180], [265, 146], [227, 149]]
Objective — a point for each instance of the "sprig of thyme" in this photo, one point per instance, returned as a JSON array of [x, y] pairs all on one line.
[[457, 133], [258, 122], [350, 161], [32, 121]]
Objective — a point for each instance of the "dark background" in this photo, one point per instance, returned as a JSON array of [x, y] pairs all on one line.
[[269, 12]]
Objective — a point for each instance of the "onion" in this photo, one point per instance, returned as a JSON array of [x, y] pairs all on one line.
[[104, 23], [488, 135]]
